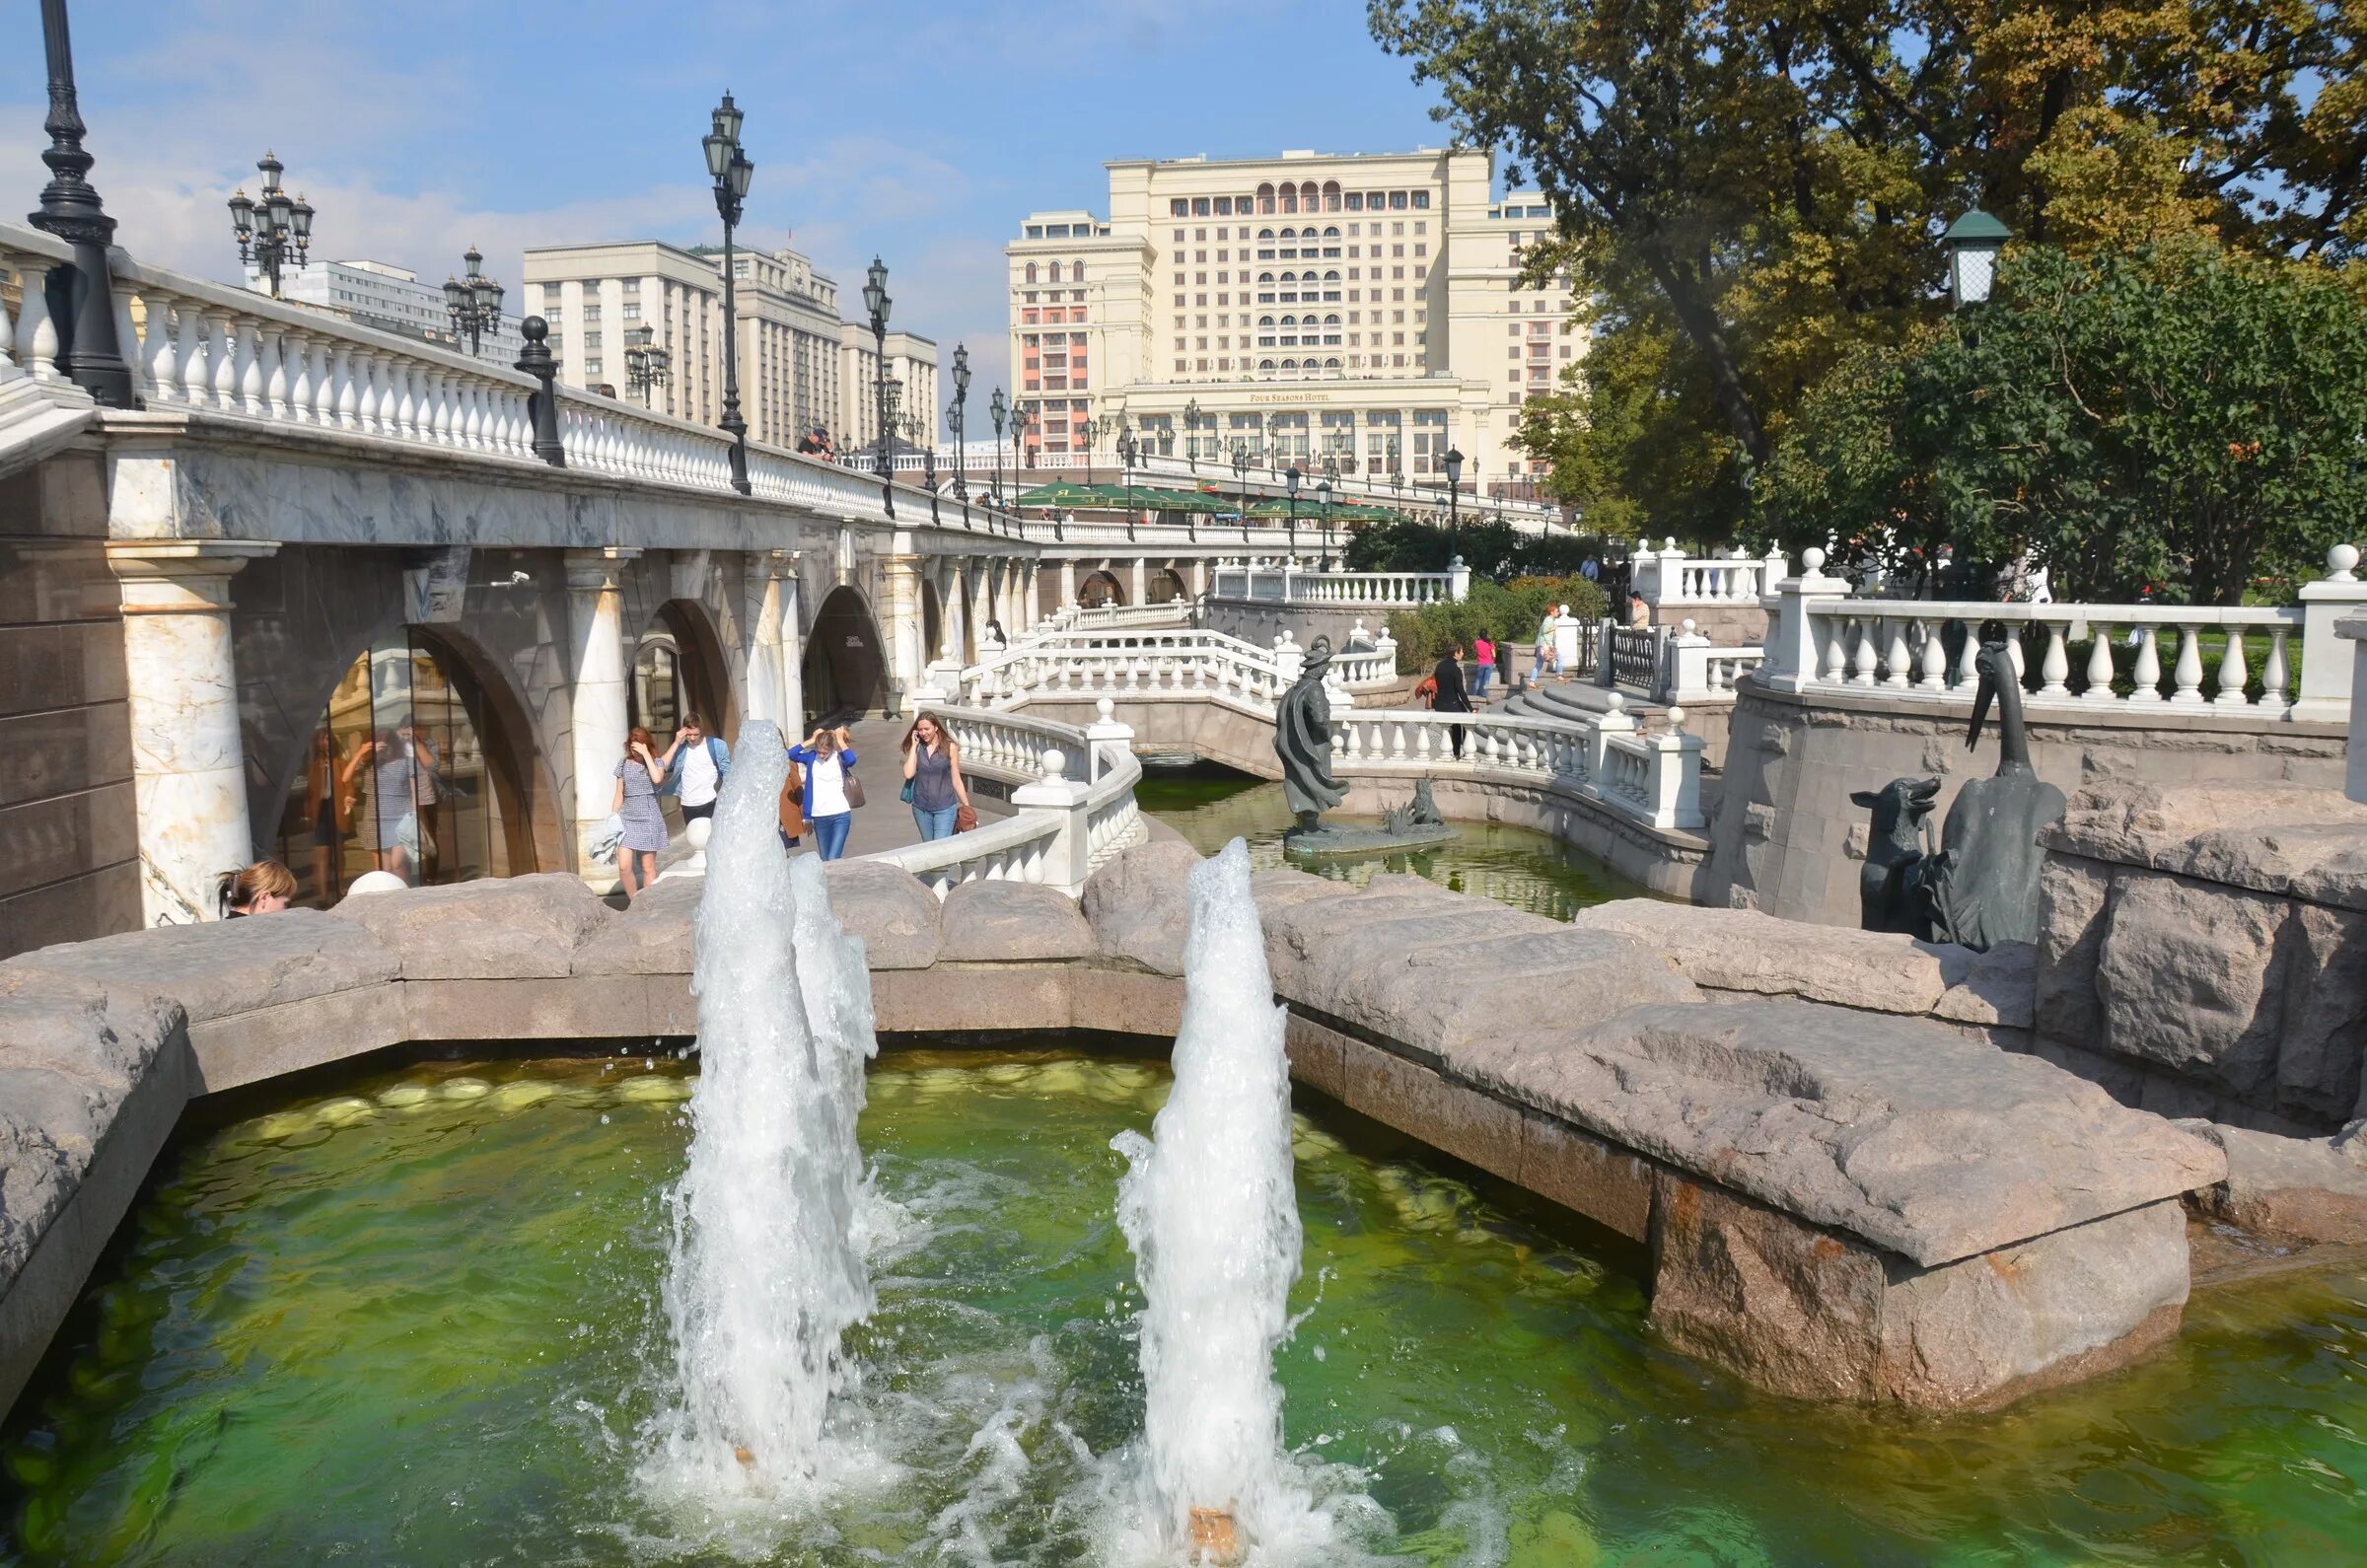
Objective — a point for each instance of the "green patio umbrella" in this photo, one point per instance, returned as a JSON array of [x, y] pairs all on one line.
[[1067, 492]]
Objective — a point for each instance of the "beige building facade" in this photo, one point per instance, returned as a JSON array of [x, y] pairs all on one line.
[[791, 363], [911, 360], [1363, 310]]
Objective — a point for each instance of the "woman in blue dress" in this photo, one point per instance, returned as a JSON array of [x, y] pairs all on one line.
[[636, 803]]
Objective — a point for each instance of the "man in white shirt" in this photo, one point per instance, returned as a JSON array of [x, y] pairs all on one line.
[[694, 767]]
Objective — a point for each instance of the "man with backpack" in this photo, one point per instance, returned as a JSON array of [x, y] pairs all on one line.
[[695, 764]]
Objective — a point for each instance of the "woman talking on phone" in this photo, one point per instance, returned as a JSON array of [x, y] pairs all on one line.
[[828, 759]]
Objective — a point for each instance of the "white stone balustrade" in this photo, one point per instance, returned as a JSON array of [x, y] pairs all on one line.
[[1286, 584], [38, 404], [1073, 803], [1668, 576], [1697, 672], [1159, 663], [1822, 638]]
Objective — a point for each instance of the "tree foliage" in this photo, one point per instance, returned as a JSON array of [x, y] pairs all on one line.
[[2173, 418], [1490, 547], [1505, 611], [1749, 190]]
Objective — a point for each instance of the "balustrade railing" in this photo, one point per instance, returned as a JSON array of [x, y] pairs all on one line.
[[1655, 778], [29, 341], [1285, 584], [1668, 576], [1157, 663], [1634, 656], [2120, 657]]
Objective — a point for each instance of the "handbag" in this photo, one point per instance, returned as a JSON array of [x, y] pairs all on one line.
[[965, 818], [854, 788], [606, 838], [905, 794]]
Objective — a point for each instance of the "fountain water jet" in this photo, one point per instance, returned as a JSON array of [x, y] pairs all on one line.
[[1209, 1208], [765, 1275]]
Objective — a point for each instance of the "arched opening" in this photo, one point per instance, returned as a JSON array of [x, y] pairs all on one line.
[[932, 623], [845, 660], [1163, 585], [1099, 589], [413, 767], [679, 668]]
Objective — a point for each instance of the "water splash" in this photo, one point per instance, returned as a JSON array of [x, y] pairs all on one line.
[[765, 1273], [1210, 1209]]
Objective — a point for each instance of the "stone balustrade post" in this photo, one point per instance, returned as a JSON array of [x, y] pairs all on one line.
[[1674, 785], [1684, 661], [1616, 720], [189, 760], [1793, 653], [1069, 861], [598, 713], [1106, 731], [1289, 659], [2326, 675], [1606, 672], [2353, 629], [1459, 580]]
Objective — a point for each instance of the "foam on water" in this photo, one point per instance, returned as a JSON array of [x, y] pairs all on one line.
[[1209, 1208], [766, 1271]]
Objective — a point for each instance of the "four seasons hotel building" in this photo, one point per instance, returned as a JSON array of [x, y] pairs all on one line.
[[1359, 307]]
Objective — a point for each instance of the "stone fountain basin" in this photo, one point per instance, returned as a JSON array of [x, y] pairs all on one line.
[[1866, 1202]]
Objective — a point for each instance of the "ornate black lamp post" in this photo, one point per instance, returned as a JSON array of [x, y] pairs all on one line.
[[645, 363], [1241, 476], [1290, 482], [1191, 434], [1454, 497], [918, 433], [1127, 449], [954, 417], [891, 404], [728, 162], [82, 299], [474, 302], [996, 410], [877, 301], [1397, 469], [1323, 508], [274, 232]]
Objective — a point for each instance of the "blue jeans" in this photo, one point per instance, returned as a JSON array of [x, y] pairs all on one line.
[[829, 833], [934, 824], [1480, 675]]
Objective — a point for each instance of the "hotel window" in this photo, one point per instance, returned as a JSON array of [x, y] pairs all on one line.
[[1199, 206], [1421, 201], [1176, 208]]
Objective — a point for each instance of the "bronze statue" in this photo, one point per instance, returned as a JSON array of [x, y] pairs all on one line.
[[1303, 742], [1982, 886]]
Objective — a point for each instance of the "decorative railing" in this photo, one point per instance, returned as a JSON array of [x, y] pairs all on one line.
[[1090, 618], [1634, 656], [2119, 658], [1073, 804], [1697, 672], [1159, 664], [233, 354], [1666, 576], [1287, 585], [1653, 778], [37, 403]]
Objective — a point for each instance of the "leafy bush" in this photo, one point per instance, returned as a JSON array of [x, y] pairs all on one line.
[[1507, 613], [1490, 548]]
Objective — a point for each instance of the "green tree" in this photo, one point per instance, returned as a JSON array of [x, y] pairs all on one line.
[[1749, 190], [2175, 418]]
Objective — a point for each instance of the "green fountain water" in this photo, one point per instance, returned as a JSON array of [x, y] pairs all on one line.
[[1530, 870], [415, 1320]]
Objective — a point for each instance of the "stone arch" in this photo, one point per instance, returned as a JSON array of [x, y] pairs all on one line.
[[845, 658], [1163, 585], [1101, 587], [932, 618], [679, 663]]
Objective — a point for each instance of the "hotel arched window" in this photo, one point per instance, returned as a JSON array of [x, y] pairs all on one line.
[[1055, 272], [1331, 195], [1308, 195], [1265, 234], [1266, 198], [409, 769], [1290, 367], [1265, 366], [1076, 272], [1332, 365], [1031, 272], [1266, 324]]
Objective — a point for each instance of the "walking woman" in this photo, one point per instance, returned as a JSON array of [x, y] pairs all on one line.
[[638, 776], [933, 780], [402, 780], [329, 818], [832, 791]]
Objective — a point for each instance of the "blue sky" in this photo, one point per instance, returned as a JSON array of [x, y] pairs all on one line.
[[922, 131]]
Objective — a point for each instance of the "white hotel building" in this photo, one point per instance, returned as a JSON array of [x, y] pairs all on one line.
[[1359, 307]]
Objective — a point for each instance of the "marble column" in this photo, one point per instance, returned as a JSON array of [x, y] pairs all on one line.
[[1068, 584], [188, 764], [981, 596], [952, 615], [1199, 577], [1138, 581], [598, 708], [764, 641], [900, 622], [792, 647]]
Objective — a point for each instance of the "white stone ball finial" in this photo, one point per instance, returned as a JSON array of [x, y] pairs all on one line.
[[1055, 764], [1810, 561], [1688, 624], [2339, 562], [1676, 720], [1104, 707], [1615, 703]]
